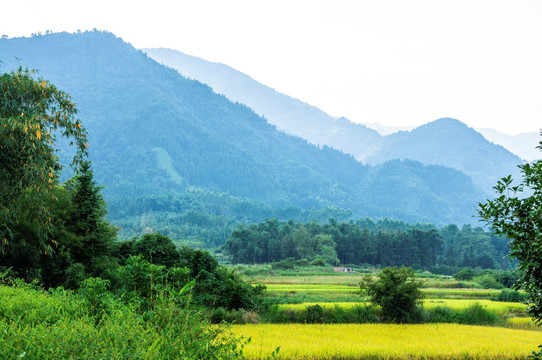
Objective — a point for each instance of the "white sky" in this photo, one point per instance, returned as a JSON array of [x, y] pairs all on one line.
[[396, 62]]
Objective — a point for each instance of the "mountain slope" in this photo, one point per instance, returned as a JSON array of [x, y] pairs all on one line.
[[154, 134], [450, 142], [524, 144], [430, 144], [288, 114]]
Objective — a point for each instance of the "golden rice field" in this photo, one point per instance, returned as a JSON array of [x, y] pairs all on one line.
[[428, 303], [522, 323], [386, 341]]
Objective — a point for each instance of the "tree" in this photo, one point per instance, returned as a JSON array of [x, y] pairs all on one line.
[[397, 292], [516, 213], [32, 111], [95, 235]]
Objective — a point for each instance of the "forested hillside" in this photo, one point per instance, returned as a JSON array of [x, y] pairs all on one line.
[[446, 142], [163, 145], [451, 143], [288, 114]]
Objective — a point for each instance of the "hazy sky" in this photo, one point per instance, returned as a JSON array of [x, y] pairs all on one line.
[[396, 62]]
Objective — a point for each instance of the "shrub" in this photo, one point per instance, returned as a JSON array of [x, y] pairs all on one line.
[[465, 274], [397, 292], [314, 314], [302, 263], [487, 282], [286, 264], [477, 314], [318, 262], [508, 295], [441, 314]]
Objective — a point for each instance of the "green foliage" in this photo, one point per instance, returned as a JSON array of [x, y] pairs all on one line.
[[155, 248], [386, 243], [94, 234], [190, 134], [284, 264], [465, 274], [509, 295], [314, 314], [59, 325], [474, 314], [516, 213], [397, 292], [83, 238], [487, 282], [32, 112]]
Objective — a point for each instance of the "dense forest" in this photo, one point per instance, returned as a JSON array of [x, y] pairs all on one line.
[[162, 144], [382, 243], [445, 141]]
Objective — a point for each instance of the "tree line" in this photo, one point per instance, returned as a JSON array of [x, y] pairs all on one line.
[[383, 243]]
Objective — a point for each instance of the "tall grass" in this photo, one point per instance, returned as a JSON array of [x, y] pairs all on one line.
[[58, 324]]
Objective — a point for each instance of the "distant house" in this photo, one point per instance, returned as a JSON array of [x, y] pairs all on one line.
[[344, 270]]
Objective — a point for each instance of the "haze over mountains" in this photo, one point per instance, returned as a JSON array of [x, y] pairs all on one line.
[[172, 152], [445, 142]]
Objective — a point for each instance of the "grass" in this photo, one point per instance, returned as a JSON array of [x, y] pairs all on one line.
[[370, 341], [58, 324]]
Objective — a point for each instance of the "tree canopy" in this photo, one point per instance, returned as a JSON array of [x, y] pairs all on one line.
[[516, 213], [32, 112]]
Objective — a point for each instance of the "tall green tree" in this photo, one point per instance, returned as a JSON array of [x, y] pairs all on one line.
[[516, 213], [95, 235], [32, 111]]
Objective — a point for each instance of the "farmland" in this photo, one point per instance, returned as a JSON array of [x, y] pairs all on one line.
[[386, 341], [507, 332]]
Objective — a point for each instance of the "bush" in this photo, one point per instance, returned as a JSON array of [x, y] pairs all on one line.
[[508, 295], [314, 314], [441, 314], [286, 264], [302, 263], [487, 282], [318, 262], [397, 292], [465, 274], [477, 314]]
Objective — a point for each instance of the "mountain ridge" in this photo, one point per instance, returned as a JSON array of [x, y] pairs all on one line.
[[490, 163], [131, 105]]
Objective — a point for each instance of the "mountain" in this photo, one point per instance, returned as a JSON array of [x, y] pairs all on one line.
[[524, 144], [172, 152], [451, 143], [444, 142], [387, 130], [286, 113]]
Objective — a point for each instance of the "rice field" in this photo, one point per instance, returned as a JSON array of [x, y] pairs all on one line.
[[501, 307], [385, 341], [333, 290], [311, 288], [460, 293]]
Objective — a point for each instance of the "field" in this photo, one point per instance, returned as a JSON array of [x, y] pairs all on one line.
[[514, 338], [384, 341], [502, 307]]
